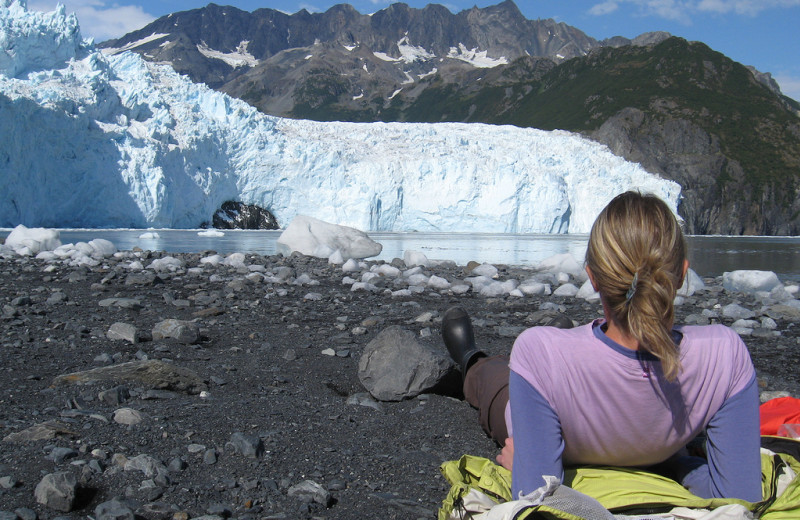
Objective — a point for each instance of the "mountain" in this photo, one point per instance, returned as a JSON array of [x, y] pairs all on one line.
[[724, 132], [96, 141]]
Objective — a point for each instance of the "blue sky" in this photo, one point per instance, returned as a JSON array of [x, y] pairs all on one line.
[[762, 33]]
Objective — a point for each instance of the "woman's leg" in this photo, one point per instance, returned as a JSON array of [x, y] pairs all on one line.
[[485, 378], [486, 388]]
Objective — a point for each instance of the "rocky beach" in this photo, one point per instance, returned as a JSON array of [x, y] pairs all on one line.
[[178, 386]]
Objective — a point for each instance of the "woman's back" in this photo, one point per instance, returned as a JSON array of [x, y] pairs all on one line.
[[614, 405]]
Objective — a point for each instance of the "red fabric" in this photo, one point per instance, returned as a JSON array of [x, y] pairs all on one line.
[[781, 410]]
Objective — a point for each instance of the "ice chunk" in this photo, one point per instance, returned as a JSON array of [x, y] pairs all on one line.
[[30, 241], [313, 237], [750, 281], [691, 284], [414, 258], [563, 263], [487, 270], [587, 292]]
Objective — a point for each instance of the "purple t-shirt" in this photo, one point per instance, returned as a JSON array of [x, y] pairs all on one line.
[[578, 397]]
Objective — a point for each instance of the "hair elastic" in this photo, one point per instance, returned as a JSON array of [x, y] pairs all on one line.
[[632, 289]]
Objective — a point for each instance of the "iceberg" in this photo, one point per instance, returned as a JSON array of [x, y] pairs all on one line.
[[313, 237], [97, 141]]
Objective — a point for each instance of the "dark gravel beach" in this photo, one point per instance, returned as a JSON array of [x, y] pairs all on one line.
[[255, 410]]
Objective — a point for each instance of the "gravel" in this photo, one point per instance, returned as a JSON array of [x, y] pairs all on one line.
[[213, 391]]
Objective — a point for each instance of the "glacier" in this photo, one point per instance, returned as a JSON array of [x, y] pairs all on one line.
[[99, 141]]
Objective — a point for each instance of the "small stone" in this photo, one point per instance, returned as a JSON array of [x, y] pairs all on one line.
[[115, 396], [210, 457], [8, 482], [59, 455], [176, 465], [123, 331], [24, 513], [328, 352], [186, 332], [248, 445], [310, 491], [128, 416]]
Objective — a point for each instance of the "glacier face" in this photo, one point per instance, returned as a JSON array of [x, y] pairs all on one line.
[[91, 141]]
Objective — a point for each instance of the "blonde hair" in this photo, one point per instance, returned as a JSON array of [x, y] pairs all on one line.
[[636, 254]]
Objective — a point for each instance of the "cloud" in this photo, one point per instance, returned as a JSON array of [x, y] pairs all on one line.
[[604, 8], [99, 19], [743, 7], [683, 10]]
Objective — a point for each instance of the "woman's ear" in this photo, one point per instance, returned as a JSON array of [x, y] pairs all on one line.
[[591, 277], [685, 270]]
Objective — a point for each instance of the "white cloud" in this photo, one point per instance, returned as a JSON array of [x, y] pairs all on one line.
[[98, 18], [604, 8], [746, 7], [790, 85], [682, 10]]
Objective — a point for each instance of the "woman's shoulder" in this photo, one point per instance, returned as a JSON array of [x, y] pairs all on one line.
[[547, 342], [716, 344], [704, 333]]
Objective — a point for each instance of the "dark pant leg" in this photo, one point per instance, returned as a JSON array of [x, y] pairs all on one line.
[[486, 388]]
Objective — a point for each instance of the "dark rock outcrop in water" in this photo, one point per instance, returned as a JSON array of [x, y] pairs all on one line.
[[237, 215]]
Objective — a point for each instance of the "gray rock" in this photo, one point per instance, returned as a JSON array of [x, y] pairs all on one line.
[[123, 303], [140, 278], [310, 491], [43, 431], [185, 332], [151, 373], [56, 298], [737, 312], [8, 482], [147, 464], [59, 455], [8, 515], [210, 457], [114, 396], [176, 465], [57, 491], [365, 399], [123, 331], [113, 510], [247, 445], [129, 416], [25, 513], [396, 366]]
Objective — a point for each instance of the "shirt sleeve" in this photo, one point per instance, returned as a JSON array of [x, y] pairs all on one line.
[[733, 469], [538, 443]]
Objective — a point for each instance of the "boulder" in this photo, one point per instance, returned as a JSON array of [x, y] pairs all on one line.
[[396, 366]]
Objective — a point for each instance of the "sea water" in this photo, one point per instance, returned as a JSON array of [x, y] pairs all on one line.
[[708, 255]]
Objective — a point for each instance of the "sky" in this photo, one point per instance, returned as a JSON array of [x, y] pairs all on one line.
[[761, 33]]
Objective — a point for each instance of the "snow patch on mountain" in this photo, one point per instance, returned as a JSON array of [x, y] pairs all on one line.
[[234, 59], [475, 57], [113, 141]]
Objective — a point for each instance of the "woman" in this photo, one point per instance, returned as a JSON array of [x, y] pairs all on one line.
[[627, 390]]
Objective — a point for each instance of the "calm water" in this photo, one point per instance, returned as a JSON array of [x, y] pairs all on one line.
[[709, 255]]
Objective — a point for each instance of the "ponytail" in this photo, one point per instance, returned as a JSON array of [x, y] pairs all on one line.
[[636, 254]]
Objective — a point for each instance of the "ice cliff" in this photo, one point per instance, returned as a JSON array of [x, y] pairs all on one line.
[[93, 141]]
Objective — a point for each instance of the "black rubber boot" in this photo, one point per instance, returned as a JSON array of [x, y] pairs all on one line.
[[459, 338], [560, 322]]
